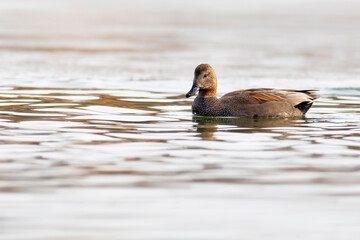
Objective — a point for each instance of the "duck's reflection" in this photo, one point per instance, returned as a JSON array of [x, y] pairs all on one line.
[[206, 130], [208, 126]]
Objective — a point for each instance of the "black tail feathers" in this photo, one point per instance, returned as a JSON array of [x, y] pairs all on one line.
[[304, 106]]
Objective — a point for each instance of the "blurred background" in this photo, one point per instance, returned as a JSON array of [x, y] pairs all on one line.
[[89, 43]]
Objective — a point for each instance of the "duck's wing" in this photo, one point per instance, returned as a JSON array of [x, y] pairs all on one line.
[[257, 96], [310, 93], [300, 99], [263, 95]]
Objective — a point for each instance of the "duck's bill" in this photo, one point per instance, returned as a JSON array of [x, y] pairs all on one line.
[[192, 91]]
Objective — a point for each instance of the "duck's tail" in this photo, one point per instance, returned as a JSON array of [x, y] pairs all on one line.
[[306, 105]]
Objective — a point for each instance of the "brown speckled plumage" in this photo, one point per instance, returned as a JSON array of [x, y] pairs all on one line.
[[253, 103]]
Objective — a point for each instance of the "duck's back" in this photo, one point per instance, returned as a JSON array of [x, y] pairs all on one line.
[[267, 102]]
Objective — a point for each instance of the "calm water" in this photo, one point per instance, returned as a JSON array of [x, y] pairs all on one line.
[[98, 140]]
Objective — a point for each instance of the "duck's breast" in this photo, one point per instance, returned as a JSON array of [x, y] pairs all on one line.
[[209, 106]]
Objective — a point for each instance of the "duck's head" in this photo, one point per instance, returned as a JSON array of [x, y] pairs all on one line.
[[204, 81]]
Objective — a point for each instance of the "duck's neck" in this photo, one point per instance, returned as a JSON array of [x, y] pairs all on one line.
[[207, 92]]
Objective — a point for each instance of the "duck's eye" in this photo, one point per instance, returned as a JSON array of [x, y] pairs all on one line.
[[204, 75]]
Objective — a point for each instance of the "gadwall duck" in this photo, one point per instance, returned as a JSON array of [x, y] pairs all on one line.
[[253, 103]]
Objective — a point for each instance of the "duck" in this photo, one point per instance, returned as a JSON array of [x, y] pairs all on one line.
[[249, 103]]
